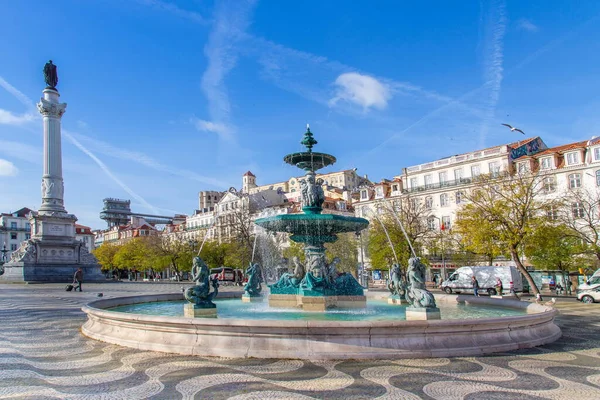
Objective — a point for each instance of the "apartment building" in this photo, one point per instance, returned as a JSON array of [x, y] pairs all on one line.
[[14, 229]]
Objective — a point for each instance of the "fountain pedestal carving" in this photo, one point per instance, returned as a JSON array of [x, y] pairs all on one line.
[[317, 285], [422, 302], [199, 296]]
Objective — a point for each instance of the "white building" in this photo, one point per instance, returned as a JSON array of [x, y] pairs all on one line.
[[85, 235], [14, 229]]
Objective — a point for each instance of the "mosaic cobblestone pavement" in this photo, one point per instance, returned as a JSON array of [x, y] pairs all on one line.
[[44, 356]]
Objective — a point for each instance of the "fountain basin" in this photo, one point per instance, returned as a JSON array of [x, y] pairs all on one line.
[[322, 340], [306, 228]]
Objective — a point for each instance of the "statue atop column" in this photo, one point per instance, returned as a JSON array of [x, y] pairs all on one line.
[[50, 75]]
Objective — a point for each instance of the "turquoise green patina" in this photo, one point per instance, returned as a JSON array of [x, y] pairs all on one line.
[[319, 277]]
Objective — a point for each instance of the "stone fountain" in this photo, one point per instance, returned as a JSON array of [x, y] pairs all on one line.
[[317, 285]]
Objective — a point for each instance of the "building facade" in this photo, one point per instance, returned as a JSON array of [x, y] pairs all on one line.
[[14, 229]]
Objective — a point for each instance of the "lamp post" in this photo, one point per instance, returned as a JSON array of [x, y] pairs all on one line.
[[361, 268]]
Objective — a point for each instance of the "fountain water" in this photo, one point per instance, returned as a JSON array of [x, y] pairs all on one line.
[[320, 286]]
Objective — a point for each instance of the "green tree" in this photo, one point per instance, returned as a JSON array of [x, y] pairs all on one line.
[[214, 254], [106, 256], [383, 253], [507, 208], [294, 250], [478, 235], [346, 248], [551, 247]]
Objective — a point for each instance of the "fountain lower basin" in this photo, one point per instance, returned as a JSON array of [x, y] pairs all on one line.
[[318, 339]]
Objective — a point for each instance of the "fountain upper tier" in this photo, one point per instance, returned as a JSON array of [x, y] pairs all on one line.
[[308, 160]]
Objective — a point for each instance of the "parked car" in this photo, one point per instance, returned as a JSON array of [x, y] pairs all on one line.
[[460, 280], [589, 295], [227, 276]]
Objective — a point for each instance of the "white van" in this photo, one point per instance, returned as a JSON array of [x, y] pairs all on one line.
[[592, 283], [460, 280]]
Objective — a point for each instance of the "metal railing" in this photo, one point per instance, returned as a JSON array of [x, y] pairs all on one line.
[[439, 185]]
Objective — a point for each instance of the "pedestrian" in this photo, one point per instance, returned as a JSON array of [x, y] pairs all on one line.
[[78, 279], [569, 284], [475, 286], [499, 287], [435, 281]]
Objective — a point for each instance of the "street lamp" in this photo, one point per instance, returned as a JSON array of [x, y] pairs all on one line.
[[361, 269], [442, 228]]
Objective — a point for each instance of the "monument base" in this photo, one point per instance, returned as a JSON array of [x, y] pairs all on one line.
[[422, 314], [24, 272], [192, 311], [251, 299], [283, 301]]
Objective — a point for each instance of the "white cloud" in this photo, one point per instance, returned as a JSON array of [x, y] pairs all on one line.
[[527, 25], [7, 168], [362, 90], [224, 131], [9, 118]]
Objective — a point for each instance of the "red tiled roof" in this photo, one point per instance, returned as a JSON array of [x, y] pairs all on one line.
[[249, 174], [563, 148]]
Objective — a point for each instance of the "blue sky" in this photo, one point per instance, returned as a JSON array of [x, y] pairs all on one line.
[[167, 98]]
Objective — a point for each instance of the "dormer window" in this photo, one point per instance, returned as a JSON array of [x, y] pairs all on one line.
[[363, 195], [379, 191], [394, 188], [546, 163], [597, 154], [573, 158]]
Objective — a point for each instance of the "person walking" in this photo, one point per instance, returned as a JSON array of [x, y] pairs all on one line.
[[78, 279], [499, 286], [475, 286]]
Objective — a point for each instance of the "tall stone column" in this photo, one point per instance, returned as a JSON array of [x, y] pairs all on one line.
[[52, 180]]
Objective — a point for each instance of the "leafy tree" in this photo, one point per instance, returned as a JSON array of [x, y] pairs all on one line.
[[383, 253], [106, 256], [551, 247], [346, 248], [507, 208], [214, 254], [479, 235], [128, 256], [294, 250], [580, 212]]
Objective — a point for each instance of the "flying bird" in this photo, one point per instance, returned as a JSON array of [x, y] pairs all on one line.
[[514, 129]]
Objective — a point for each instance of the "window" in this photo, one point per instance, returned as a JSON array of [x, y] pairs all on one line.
[[572, 158], [431, 223], [443, 177], [597, 154], [443, 200], [446, 223], [13, 236], [552, 213], [379, 191], [413, 182], [363, 194], [598, 178], [522, 167], [574, 181], [13, 247], [549, 184], [494, 168], [428, 202], [546, 163], [13, 225], [578, 210], [27, 236], [394, 188], [458, 174], [475, 171], [428, 180], [459, 197]]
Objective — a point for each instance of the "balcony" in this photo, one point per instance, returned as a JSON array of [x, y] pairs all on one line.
[[439, 185], [9, 229]]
